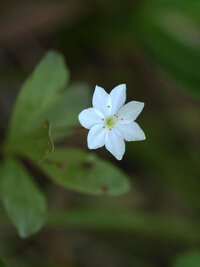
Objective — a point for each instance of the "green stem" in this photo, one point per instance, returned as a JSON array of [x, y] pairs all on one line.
[[157, 226], [169, 228]]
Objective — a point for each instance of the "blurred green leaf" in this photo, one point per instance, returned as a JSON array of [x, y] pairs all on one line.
[[127, 220], [3, 263], [78, 170], [23, 201], [38, 93], [64, 114], [38, 144], [124, 220], [170, 31], [190, 259]]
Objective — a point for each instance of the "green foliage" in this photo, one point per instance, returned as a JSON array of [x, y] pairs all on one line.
[[41, 111], [38, 93], [77, 170], [3, 263], [95, 217], [170, 30], [39, 143], [23, 201], [64, 113], [190, 259]]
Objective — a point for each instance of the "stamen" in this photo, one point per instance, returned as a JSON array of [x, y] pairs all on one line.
[[108, 106], [117, 116], [122, 119], [102, 119], [110, 129], [104, 127]]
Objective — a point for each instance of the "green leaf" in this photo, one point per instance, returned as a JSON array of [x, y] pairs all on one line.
[[38, 144], [80, 171], [3, 263], [94, 217], [64, 114], [170, 32], [190, 259], [23, 201], [38, 93]]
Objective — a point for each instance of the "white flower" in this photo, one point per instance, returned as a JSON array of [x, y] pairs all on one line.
[[111, 122]]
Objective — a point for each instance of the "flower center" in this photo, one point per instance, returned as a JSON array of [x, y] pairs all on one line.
[[110, 121]]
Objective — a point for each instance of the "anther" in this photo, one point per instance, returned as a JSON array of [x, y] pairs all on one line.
[[104, 127], [114, 115], [121, 119], [102, 119], [110, 129], [117, 116], [108, 106]]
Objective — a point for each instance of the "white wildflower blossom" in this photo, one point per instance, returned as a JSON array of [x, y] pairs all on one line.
[[110, 122]]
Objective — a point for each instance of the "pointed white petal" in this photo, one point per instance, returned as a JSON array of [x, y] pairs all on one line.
[[118, 97], [115, 144], [101, 100], [131, 131], [90, 117], [96, 136], [130, 111]]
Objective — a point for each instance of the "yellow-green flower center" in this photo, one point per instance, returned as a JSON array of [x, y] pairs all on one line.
[[110, 121]]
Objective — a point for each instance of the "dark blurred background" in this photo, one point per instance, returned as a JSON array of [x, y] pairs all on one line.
[[154, 47]]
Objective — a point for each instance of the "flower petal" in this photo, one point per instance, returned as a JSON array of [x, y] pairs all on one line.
[[96, 136], [130, 111], [115, 144], [101, 100], [90, 117], [118, 97], [131, 132]]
